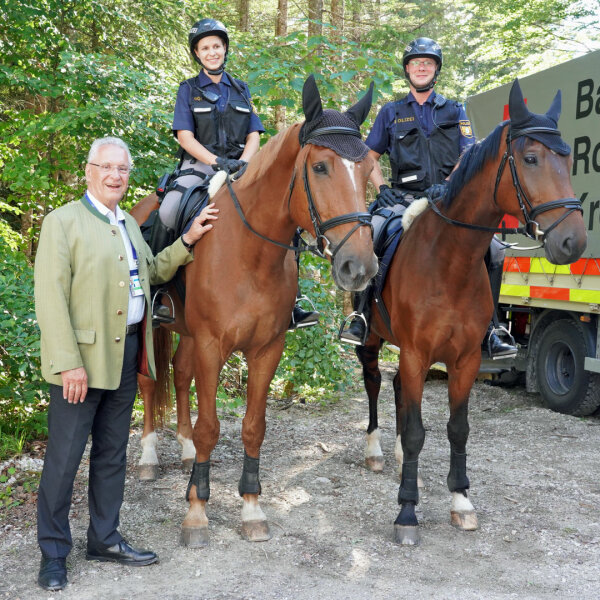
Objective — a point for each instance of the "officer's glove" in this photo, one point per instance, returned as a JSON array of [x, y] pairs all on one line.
[[388, 197], [242, 170], [229, 165], [437, 191]]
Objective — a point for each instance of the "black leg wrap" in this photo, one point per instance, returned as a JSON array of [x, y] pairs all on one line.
[[199, 478], [457, 477], [409, 492], [407, 516], [249, 483]]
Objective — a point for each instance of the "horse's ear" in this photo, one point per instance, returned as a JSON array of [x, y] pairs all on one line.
[[311, 100], [517, 109], [361, 109], [555, 108]]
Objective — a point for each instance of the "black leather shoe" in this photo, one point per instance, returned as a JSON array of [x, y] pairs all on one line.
[[53, 574], [355, 334], [496, 348], [303, 318], [161, 314], [122, 553]]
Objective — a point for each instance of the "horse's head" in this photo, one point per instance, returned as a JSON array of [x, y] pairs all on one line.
[[334, 167], [540, 164]]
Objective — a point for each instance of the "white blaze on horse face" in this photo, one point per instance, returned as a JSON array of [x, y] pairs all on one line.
[[149, 443], [350, 166], [188, 450]]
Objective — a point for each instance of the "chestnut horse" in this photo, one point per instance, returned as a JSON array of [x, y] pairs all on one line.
[[242, 283], [437, 293]]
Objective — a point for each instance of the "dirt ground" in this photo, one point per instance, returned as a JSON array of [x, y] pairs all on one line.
[[534, 483]]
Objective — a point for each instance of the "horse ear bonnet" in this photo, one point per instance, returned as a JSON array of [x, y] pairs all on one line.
[[347, 146], [521, 118]]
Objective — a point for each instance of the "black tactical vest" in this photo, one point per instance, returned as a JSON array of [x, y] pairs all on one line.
[[222, 133], [417, 161]]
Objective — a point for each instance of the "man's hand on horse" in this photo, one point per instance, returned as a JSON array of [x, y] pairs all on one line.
[[229, 165], [200, 225], [388, 196]]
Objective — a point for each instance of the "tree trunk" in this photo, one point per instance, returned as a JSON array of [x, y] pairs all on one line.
[[337, 18], [315, 13], [280, 32], [244, 12]]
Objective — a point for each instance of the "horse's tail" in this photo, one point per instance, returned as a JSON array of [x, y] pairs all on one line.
[[162, 401]]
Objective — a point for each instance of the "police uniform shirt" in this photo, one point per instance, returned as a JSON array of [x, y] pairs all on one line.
[[184, 118], [380, 137], [135, 309]]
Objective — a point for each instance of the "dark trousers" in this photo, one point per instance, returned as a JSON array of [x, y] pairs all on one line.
[[106, 414]]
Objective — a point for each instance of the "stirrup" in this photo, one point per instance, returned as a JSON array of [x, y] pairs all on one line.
[[158, 319], [303, 297], [511, 341], [351, 316]]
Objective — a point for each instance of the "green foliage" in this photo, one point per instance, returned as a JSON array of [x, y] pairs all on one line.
[[314, 364], [21, 385], [10, 494]]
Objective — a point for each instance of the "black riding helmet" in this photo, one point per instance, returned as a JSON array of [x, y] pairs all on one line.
[[423, 48], [203, 28]]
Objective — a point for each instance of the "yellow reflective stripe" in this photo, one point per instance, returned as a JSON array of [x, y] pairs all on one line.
[[542, 265], [515, 290], [589, 296]]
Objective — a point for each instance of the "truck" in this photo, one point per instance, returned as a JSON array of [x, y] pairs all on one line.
[[553, 311]]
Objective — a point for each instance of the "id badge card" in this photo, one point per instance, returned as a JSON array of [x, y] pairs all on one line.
[[135, 287]]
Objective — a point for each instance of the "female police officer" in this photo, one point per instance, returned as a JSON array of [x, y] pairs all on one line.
[[216, 127], [424, 135]]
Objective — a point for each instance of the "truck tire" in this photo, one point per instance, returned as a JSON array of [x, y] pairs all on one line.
[[563, 383]]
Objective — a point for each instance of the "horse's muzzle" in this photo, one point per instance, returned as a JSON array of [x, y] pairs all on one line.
[[351, 273]]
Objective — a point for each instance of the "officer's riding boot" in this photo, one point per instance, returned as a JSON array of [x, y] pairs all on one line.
[[300, 317], [492, 344], [160, 237], [356, 333]]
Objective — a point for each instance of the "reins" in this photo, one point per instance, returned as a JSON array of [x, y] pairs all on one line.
[[321, 248], [531, 229]]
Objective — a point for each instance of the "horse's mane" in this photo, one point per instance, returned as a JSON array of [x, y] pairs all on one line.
[[266, 156], [473, 161]]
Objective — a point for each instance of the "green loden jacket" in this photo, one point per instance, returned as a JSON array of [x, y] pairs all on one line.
[[82, 293]]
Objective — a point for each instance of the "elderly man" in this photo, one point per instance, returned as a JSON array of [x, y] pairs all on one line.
[[93, 272]]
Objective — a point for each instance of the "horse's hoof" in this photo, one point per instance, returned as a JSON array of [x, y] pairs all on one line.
[[148, 472], [467, 521], [256, 531], [194, 537], [406, 535], [375, 463], [187, 464]]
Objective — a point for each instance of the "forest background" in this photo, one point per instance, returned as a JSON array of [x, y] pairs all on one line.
[[75, 70]]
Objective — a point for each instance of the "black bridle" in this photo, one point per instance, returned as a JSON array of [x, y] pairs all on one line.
[[322, 247], [531, 228]]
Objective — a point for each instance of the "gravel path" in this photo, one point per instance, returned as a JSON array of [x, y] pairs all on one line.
[[534, 483]]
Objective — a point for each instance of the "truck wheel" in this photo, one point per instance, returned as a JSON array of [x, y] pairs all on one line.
[[563, 383]]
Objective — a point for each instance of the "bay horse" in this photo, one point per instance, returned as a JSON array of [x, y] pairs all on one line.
[[241, 285], [437, 293]]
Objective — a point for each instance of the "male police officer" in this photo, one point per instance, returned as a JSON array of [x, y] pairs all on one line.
[[424, 135]]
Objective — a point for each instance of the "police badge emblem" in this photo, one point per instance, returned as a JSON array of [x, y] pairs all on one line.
[[465, 128]]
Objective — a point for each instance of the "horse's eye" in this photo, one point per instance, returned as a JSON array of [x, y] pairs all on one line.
[[530, 159], [320, 168]]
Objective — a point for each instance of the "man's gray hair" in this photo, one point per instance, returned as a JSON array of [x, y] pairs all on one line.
[[108, 141]]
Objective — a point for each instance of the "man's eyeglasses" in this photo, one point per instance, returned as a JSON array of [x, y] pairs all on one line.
[[107, 168], [415, 62]]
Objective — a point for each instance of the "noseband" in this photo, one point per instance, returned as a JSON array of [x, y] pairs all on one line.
[[322, 248], [532, 228]]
